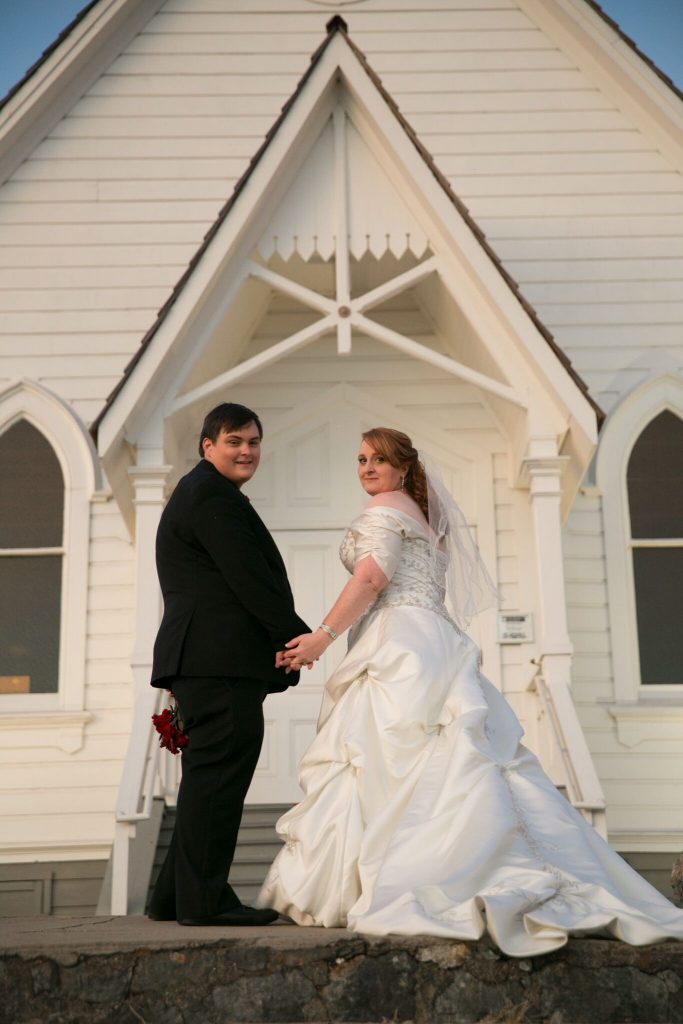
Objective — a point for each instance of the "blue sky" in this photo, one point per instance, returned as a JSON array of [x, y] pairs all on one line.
[[27, 27]]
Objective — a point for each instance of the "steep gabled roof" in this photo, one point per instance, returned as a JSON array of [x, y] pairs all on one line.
[[48, 52], [337, 26], [634, 46], [64, 73]]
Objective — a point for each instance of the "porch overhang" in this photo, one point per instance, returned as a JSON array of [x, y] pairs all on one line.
[[513, 359]]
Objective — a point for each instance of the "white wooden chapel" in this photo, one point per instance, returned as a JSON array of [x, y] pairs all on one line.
[[326, 218]]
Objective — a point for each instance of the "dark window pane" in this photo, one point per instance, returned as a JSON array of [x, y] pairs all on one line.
[[31, 490], [655, 479], [659, 586], [30, 599]]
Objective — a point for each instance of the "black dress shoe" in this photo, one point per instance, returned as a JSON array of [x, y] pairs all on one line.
[[240, 916], [153, 916]]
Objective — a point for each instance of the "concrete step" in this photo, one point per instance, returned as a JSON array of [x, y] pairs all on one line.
[[256, 853], [121, 970], [263, 814], [257, 833]]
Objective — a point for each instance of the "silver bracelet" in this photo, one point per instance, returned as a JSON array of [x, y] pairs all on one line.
[[328, 629]]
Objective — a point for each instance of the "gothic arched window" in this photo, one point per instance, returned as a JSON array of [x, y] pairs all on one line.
[[655, 497], [31, 557]]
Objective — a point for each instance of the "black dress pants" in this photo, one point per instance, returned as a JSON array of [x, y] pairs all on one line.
[[223, 719]]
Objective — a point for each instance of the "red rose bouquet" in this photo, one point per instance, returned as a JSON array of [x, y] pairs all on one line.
[[169, 725]]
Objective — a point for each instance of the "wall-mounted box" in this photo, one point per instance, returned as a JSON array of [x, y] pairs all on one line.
[[515, 628]]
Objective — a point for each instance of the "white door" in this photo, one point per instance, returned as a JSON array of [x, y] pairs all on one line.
[[307, 492]]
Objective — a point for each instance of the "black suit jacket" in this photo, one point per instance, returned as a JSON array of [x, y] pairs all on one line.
[[228, 606]]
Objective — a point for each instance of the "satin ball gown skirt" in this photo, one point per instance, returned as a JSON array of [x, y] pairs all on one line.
[[423, 813]]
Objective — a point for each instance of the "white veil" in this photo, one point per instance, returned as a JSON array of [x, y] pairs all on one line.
[[469, 588]]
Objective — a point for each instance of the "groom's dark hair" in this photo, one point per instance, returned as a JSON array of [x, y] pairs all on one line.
[[227, 416]]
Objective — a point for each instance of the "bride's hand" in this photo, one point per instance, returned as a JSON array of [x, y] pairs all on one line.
[[307, 648]]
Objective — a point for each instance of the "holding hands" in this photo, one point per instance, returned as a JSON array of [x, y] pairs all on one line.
[[304, 650], [360, 592]]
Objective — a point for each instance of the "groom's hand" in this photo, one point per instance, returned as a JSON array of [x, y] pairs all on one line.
[[284, 659]]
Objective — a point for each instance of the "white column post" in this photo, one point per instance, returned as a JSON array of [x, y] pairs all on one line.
[[148, 485], [542, 469]]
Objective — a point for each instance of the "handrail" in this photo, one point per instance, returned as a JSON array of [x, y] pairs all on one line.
[[580, 778], [136, 792], [570, 781], [135, 769]]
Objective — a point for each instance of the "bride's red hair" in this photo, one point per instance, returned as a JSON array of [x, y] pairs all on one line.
[[397, 448]]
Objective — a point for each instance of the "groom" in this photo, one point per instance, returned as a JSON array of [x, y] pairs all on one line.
[[228, 611]]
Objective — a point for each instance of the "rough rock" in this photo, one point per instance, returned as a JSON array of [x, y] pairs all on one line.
[[287, 974]]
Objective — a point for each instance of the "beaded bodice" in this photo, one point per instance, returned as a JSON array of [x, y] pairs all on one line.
[[415, 580]]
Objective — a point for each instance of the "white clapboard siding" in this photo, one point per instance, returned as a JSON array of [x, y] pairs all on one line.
[[69, 830], [590, 251], [303, 6], [59, 775], [582, 184], [110, 627], [530, 143], [575, 164], [164, 133], [93, 279], [591, 271], [108, 258], [47, 759], [650, 767], [49, 345], [185, 18]]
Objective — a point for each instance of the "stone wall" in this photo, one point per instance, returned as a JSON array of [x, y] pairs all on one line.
[[289, 974]]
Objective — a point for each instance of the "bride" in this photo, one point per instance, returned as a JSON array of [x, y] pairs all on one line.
[[422, 811]]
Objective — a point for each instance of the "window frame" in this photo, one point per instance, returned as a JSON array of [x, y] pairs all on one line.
[[75, 452], [619, 436]]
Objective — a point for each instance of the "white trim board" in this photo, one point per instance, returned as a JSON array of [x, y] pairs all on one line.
[[620, 433], [80, 467]]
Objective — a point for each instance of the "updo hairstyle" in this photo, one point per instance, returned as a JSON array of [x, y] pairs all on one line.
[[397, 448]]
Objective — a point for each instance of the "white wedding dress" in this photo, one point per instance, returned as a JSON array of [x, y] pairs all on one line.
[[423, 813]]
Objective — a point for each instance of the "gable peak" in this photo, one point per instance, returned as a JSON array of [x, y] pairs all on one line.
[[336, 24]]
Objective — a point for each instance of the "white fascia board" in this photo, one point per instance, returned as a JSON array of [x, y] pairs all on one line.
[[66, 75], [455, 236], [225, 245], [615, 68]]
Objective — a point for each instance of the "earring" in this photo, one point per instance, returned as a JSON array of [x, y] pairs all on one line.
[[403, 480]]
